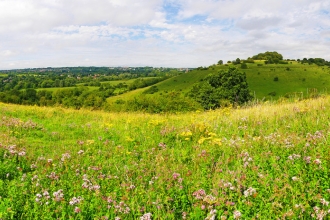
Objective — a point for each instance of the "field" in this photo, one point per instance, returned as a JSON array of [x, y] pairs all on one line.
[[294, 79], [270, 161], [63, 88]]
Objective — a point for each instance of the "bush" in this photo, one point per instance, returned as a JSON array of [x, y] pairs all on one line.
[[272, 93], [276, 78], [171, 102], [228, 85], [244, 66], [151, 90]]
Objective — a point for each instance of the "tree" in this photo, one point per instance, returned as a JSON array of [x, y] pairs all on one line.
[[220, 62], [223, 87], [270, 56]]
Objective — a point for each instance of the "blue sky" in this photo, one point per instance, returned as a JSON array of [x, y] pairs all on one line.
[[167, 33]]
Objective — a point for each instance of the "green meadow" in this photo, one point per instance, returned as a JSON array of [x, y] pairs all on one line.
[[294, 79], [268, 161]]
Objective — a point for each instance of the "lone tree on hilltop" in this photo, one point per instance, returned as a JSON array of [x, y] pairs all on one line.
[[219, 89]]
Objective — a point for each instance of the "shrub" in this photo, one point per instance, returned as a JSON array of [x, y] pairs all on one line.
[[228, 85]]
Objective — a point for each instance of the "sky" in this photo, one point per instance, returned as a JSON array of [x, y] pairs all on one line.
[[159, 33]]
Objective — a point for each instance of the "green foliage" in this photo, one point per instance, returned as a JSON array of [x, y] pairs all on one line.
[[170, 102], [317, 61], [151, 90], [270, 57], [272, 93], [143, 82], [230, 85], [244, 66]]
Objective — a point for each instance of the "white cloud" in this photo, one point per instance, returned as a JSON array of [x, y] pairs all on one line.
[[159, 32]]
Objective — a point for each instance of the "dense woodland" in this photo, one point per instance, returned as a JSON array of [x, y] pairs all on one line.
[[28, 86]]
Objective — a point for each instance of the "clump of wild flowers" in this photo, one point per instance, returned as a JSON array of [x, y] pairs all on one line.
[[44, 197], [58, 195], [175, 176], [307, 159], [209, 199], [199, 194], [211, 215], [237, 214], [75, 200], [249, 192], [65, 157], [53, 176], [121, 207], [146, 216], [294, 157], [246, 158], [319, 213], [77, 209], [162, 145], [324, 202]]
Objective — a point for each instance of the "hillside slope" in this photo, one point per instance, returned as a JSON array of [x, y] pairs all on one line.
[[292, 79]]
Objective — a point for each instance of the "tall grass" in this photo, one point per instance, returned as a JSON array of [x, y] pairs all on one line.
[[268, 161]]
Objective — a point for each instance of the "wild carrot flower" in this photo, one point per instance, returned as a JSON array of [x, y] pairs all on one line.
[[317, 161], [38, 197], [23, 177], [146, 216], [162, 145], [324, 202], [237, 214], [249, 192], [294, 178], [65, 156], [77, 209], [21, 153], [46, 195], [211, 215]]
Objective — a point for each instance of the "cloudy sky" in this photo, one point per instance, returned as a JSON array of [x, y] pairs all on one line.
[[171, 33]]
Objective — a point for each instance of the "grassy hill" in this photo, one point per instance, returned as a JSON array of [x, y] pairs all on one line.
[[293, 78], [268, 161]]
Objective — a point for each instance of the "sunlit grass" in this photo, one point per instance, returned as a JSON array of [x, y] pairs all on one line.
[[268, 161]]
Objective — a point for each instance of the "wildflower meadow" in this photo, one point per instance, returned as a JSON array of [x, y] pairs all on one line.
[[268, 161]]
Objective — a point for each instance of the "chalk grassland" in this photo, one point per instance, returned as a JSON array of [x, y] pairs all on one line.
[[266, 162], [293, 78]]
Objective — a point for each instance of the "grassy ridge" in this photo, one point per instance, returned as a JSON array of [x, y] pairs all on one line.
[[298, 78], [268, 161]]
